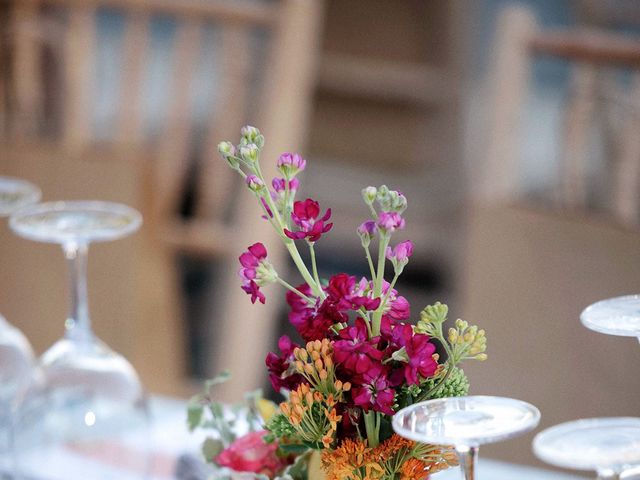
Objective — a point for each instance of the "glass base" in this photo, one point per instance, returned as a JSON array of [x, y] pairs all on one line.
[[594, 444], [75, 222], [614, 316], [15, 194], [84, 416], [465, 421]]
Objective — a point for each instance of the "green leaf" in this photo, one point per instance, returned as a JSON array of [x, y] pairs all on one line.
[[194, 416], [211, 448], [217, 380]]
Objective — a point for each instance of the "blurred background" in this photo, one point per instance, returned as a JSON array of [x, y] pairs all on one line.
[[512, 128]]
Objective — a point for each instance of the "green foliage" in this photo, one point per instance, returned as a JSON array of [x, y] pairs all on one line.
[[211, 447], [280, 427], [455, 385]]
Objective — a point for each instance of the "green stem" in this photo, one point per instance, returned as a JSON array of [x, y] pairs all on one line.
[[370, 262], [293, 289], [313, 263], [377, 286], [370, 427], [304, 271], [386, 295]]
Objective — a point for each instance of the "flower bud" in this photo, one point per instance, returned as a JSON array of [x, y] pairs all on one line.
[[365, 231], [265, 273], [390, 222], [290, 164], [254, 183], [226, 148], [249, 134], [250, 153], [369, 195]]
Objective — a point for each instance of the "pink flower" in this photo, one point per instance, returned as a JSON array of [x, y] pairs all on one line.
[[253, 182], [401, 252], [345, 293], [397, 307], [354, 351], [291, 162], [390, 221], [312, 321], [373, 391], [250, 261], [279, 184], [419, 351], [305, 215], [367, 228], [251, 454], [278, 366]]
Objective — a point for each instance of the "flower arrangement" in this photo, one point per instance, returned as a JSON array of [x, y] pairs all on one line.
[[359, 360]]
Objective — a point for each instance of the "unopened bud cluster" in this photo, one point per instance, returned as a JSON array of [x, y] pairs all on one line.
[[468, 342]]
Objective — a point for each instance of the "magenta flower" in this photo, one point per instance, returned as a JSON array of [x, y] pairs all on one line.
[[346, 294], [279, 184], [278, 366], [305, 215], [354, 351], [397, 307], [291, 164], [373, 391], [266, 208], [312, 321], [251, 261], [390, 221], [401, 252], [419, 351]]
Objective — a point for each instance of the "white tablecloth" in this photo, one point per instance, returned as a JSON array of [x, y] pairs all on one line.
[[170, 439]]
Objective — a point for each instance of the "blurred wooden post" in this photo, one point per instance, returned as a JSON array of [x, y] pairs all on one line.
[[23, 34], [241, 332], [79, 70], [508, 89], [577, 125], [627, 187]]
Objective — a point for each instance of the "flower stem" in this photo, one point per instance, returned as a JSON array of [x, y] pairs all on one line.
[[370, 426], [291, 246], [313, 263], [377, 287], [293, 289], [304, 271], [370, 262]]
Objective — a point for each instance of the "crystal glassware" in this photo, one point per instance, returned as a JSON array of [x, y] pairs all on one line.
[[609, 446], [87, 399], [614, 316], [466, 423], [16, 355]]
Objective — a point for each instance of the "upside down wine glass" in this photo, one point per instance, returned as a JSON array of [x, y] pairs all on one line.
[[466, 423], [87, 398], [614, 316], [16, 355], [609, 446]]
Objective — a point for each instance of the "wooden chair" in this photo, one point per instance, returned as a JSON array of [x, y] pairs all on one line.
[[47, 134], [534, 263]]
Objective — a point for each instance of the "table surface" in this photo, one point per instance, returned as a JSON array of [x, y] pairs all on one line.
[[170, 438]]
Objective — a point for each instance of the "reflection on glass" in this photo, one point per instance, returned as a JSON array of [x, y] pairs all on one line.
[[87, 399], [614, 316], [608, 446], [16, 355], [466, 423]]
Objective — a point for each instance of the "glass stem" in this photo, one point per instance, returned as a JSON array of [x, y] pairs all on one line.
[[78, 325], [607, 474], [468, 457]]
